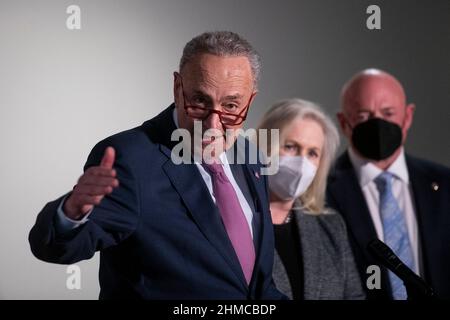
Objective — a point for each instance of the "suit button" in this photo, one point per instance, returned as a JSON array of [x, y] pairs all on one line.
[[435, 186]]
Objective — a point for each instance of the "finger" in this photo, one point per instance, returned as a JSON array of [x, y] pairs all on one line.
[[94, 190], [100, 171], [81, 200], [98, 181], [108, 158]]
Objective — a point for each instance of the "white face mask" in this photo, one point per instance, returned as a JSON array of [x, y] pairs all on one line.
[[293, 178]]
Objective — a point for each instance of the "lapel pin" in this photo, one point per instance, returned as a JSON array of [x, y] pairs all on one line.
[[435, 186]]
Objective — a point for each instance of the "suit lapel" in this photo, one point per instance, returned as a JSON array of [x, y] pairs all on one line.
[[259, 194], [192, 189], [281, 278], [311, 257], [426, 211], [345, 188]]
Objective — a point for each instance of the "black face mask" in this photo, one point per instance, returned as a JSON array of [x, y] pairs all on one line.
[[377, 139]]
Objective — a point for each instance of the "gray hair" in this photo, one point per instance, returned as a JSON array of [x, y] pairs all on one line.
[[222, 43], [280, 116]]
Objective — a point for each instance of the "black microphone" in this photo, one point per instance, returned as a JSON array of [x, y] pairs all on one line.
[[416, 287]]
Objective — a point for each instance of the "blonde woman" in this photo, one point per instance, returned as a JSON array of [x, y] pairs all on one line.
[[313, 259]]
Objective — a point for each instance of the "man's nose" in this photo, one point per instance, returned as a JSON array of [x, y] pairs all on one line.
[[212, 121], [376, 114]]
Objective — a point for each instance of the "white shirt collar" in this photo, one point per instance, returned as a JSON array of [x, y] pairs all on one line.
[[367, 171]]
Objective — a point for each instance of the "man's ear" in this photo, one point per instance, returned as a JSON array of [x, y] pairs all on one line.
[[409, 115], [176, 87], [342, 121]]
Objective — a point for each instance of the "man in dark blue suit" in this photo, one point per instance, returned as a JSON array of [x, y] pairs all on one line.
[[384, 193], [167, 230]]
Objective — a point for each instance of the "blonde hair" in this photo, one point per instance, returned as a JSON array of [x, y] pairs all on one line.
[[280, 116]]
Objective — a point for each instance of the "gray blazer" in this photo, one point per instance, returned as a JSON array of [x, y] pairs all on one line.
[[329, 270]]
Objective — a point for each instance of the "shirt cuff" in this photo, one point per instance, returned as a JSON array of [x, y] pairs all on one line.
[[64, 223]]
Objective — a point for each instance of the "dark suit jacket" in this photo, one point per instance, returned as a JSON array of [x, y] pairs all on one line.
[[159, 234], [432, 212], [329, 270]]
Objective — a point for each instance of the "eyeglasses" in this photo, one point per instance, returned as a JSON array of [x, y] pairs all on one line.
[[226, 118]]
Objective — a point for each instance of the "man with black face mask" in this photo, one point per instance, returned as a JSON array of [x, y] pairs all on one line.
[[387, 194]]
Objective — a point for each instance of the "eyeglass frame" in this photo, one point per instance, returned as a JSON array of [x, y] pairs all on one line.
[[239, 116]]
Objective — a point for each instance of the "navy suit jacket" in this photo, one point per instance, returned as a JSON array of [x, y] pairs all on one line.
[[159, 234], [432, 213]]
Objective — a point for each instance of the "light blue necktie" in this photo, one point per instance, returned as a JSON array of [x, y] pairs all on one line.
[[395, 232]]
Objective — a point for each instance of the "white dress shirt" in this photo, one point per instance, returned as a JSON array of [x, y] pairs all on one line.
[[64, 224], [366, 172], [226, 167]]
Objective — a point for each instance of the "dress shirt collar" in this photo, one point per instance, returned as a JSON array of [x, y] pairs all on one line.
[[367, 171]]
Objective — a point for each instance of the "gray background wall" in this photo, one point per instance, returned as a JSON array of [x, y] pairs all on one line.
[[61, 91]]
